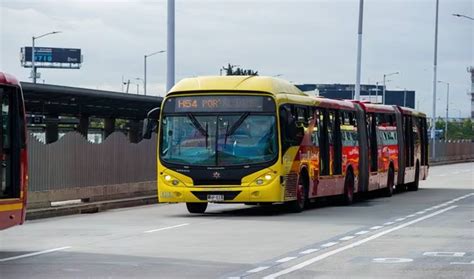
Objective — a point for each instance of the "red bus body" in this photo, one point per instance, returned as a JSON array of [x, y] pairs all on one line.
[[13, 153]]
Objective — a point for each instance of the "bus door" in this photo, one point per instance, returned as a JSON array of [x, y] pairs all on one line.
[[373, 151], [331, 180], [9, 147], [6, 187]]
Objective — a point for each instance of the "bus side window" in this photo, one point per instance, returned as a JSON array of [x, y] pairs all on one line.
[[289, 128], [335, 140]]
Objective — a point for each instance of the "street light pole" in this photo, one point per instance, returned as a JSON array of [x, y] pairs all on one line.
[[405, 97], [33, 66], [465, 16], [359, 50], [170, 47], [144, 74], [435, 62], [383, 89], [447, 109]]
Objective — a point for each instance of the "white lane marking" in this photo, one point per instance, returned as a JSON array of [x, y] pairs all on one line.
[[388, 223], [376, 227], [444, 254], [258, 269], [354, 244], [167, 228], [361, 232], [285, 259], [392, 260], [34, 254], [421, 212], [329, 244], [346, 237], [309, 251], [400, 219], [441, 175], [411, 215], [472, 262]]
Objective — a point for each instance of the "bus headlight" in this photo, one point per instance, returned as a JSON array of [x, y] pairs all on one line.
[[170, 180], [265, 179]]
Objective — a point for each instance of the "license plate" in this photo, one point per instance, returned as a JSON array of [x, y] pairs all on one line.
[[215, 198]]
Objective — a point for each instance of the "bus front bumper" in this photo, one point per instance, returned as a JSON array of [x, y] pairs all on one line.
[[272, 192]]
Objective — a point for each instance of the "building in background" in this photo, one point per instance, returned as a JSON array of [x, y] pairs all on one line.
[[368, 92]]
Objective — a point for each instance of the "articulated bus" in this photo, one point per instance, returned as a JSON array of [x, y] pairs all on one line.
[[260, 140], [13, 155]]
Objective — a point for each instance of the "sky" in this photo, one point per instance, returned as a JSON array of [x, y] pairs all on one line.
[[302, 41]]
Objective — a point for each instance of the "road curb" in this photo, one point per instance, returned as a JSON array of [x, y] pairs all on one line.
[[89, 207], [451, 162]]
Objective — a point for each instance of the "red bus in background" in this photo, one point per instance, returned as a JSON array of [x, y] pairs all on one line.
[[13, 153]]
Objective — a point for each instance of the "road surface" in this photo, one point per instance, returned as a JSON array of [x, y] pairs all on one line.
[[423, 234]]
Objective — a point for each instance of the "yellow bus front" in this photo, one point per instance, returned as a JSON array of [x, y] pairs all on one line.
[[219, 147]]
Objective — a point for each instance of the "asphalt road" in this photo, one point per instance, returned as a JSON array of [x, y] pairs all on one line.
[[424, 234]]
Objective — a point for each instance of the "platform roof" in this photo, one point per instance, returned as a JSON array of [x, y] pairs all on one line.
[[47, 99]]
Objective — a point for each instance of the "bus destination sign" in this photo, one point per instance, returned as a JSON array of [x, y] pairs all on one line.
[[221, 103]]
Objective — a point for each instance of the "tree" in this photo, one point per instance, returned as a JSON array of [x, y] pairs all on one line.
[[238, 71]]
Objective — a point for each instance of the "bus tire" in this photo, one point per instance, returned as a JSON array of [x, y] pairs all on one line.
[[388, 191], [414, 185], [348, 197], [301, 201], [196, 207]]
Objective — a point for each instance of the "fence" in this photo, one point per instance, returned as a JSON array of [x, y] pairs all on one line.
[[454, 150], [73, 168]]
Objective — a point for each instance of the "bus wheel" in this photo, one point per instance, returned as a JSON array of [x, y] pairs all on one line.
[[298, 205], [414, 185], [348, 197], [388, 192], [196, 207]]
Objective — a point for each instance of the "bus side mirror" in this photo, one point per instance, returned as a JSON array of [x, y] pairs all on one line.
[[150, 123]]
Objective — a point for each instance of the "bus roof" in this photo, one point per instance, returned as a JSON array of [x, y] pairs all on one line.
[[281, 89], [236, 83], [370, 107], [410, 111], [7, 79]]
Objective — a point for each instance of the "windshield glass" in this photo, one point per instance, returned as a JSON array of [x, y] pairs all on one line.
[[218, 140]]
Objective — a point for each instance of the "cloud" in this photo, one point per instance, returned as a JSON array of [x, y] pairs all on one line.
[[305, 41]]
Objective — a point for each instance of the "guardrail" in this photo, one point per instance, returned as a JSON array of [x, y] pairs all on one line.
[[453, 150]]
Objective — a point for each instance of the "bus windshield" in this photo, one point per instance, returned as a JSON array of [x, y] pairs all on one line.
[[218, 139]]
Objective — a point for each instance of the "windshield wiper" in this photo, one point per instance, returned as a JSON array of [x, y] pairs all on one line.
[[197, 125], [236, 125]]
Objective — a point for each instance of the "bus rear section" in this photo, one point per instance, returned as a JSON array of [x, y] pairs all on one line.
[[13, 155], [413, 148]]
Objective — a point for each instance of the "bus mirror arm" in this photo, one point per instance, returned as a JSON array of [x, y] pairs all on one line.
[[150, 123], [147, 128]]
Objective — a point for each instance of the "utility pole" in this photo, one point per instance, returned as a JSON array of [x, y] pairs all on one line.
[[435, 62], [359, 50]]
